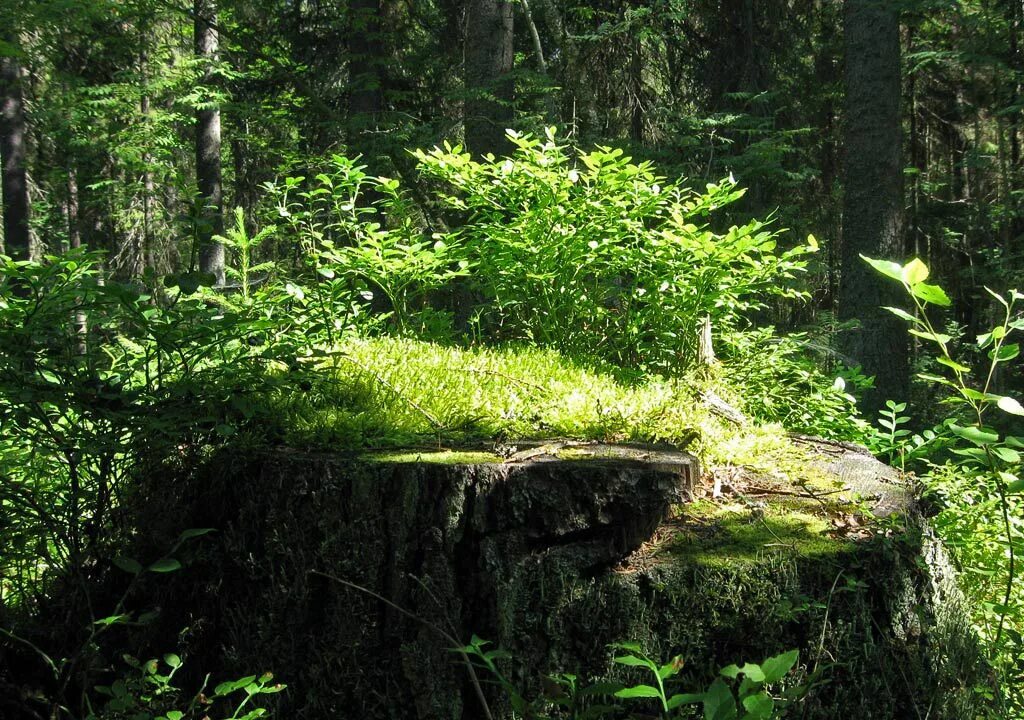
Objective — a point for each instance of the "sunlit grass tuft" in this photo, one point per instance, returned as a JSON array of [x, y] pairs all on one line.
[[394, 393]]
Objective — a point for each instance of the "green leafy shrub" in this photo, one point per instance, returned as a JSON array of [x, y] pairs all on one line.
[[727, 697], [598, 256], [93, 374], [972, 465], [244, 248], [147, 692], [362, 238], [782, 380]]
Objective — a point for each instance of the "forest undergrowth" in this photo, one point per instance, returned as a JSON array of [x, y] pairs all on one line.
[[552, 293]]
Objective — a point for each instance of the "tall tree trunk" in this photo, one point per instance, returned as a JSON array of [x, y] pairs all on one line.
[[366, 93], [208, 171], [148, 251], [364, 44], [873, 197], [79, 321], [489, 56], [826, 73], [74, 229], [538, 47], [636, 78], [1017, 66], [12, 156], [1014, 118]]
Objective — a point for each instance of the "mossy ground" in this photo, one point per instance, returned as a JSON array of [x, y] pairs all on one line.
[[389, 393], [725, 534], [434, 457]]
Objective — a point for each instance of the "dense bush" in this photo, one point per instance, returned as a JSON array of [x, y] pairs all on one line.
[[595, 255]]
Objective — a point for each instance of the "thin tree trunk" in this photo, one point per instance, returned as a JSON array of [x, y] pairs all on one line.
[[238, 158], [538, 48], [1017, 66], [208, 169], [366, 99], [148, 252], [489, 57], [873, 197], [79, 322], [74, 230], [12, 156], [636, 72], [826, 73], [366, 96]]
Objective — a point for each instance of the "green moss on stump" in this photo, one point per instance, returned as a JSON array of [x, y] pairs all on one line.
[[435, 457], [726, 534]]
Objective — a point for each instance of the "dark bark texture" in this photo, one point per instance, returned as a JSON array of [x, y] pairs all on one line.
[[489, 57], [873, 198], [366, 70], [208, 168], [12, 155], [365, 61]]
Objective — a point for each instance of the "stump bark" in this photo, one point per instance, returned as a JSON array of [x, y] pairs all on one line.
[[552, 554]]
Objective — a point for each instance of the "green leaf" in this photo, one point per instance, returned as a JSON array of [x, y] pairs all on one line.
[[936, 379], [931, 294], [974, 453], [670, 668], [952, 364], [172, 660], [639, 691], [760, 706], [1008, 455], [975, 434], [128, 564], [633, 661], [175, 715], [1009, 405], [719, 703], [752, 671], [914, 272], [775, 668], [165, 565], [1006, 352], [194, 533], [940, 338], [684, 699], [999, 298], [886, 267], [730, 671], [899, 312]]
